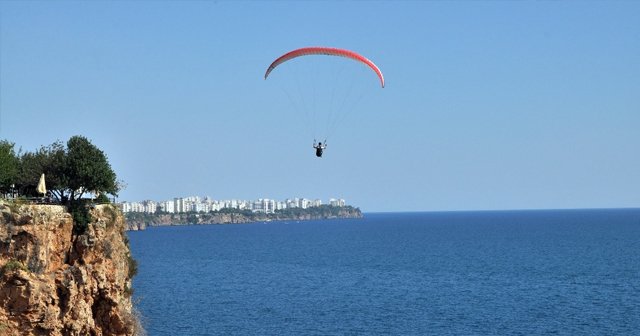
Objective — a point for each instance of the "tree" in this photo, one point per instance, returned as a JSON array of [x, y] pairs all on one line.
[[55, 169], [87, 169], [9, 164], [70, 172], [49, 160]]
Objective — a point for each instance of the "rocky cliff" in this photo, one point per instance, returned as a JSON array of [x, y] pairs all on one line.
[[53, 282]]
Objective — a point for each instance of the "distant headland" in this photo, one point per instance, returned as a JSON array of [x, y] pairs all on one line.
[[140, 220], [205, 210]]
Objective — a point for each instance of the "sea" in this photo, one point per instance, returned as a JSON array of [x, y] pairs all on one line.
[[545, 272]]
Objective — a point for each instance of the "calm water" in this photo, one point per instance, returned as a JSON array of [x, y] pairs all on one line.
[[463, 273]]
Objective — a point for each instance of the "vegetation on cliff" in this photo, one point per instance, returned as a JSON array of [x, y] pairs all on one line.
[[70, 171]]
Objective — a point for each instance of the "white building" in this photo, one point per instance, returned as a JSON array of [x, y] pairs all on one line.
[[337, 202], [149, 206], [125, 207], [304, 203], [264, 206], [168, 206], [178, 204]]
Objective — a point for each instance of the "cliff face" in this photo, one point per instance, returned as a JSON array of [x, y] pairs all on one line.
[[53, 282]]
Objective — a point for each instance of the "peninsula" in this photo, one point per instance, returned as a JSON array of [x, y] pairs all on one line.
[[139, 220]]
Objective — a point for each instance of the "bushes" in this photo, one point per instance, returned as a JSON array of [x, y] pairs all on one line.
[[81, 217], [132, 266], [13, 265], [102, 199]]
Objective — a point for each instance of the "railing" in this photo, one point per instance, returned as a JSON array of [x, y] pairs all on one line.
[[50, 200], [33, 200]]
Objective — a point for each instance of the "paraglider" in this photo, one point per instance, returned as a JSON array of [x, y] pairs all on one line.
[[327, 101], [319, 147]]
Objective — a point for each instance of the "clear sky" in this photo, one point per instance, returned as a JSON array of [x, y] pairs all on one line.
[[488, 105]]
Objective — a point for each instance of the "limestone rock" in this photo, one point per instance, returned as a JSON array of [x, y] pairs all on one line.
[[53, 282]]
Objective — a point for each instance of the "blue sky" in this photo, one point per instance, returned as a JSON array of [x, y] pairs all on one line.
[[488, 105]]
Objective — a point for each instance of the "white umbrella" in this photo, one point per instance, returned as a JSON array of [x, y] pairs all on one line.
[[42, 187]]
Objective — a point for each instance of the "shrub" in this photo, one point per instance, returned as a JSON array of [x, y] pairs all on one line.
[[13, 265], [112, 213], [133, 266], [103, 199], [81, 217]]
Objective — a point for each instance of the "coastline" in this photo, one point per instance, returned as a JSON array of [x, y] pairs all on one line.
[[140, 221]]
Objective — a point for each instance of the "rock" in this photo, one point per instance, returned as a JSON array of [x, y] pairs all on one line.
[[55, 283]]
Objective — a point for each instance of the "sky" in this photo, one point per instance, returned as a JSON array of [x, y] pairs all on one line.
[[487, 105]]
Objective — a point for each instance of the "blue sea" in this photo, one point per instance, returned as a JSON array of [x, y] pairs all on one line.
[[560, 272]]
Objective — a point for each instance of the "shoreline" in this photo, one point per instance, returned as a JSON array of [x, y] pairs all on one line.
[[140, 221]]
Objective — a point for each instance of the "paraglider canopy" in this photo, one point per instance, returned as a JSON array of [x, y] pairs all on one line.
[[325, 51]]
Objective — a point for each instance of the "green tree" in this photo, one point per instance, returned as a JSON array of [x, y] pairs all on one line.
[[87, 169], [55, 169], [29, 172], [9, 165], [49, 160]]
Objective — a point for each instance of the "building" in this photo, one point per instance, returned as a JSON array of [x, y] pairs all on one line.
[[168, 206], [337, 202]]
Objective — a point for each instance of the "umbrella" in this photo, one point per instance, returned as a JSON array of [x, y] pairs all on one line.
[[42, 187]]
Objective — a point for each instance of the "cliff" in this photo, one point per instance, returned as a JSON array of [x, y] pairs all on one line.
[[53, 282], [139, 221]]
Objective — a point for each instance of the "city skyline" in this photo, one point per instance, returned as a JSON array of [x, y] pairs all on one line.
[[208, 204]]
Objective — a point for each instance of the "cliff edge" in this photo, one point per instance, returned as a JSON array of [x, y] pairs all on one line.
[[54, 282]]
